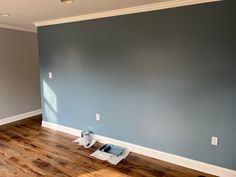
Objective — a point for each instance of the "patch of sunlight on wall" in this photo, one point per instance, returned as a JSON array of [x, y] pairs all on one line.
[[50, 96], [50, 114], [50, 103]]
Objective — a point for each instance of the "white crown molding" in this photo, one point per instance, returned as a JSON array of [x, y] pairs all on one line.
[[178, 160], [17, 28], [20, 117], [124, 11]]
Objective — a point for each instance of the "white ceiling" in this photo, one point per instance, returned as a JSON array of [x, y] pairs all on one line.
[[23, 13]]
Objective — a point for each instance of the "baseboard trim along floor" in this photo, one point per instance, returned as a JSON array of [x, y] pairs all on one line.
[[178, 160], [20, 117]]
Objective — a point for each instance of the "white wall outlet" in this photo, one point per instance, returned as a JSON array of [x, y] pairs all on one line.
[[214, 141], [98, 117], [50, 75]]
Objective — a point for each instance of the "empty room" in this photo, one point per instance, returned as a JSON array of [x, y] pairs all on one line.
[[118, 88]]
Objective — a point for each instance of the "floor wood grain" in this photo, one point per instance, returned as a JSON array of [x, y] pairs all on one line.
[[28, 150]]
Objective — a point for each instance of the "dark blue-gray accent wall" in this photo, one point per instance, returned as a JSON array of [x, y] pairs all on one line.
[[164, 80]]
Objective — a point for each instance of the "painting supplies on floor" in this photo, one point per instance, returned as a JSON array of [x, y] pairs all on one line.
[[86, 139], [111, 153]]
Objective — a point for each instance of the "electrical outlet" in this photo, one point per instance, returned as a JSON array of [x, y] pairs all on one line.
[[98, 118], [50, 75], [214, 141]]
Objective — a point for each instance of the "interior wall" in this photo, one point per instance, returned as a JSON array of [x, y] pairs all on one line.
[[19, 73], [164, 80]]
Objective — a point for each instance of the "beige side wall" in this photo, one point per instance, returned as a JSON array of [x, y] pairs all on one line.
[[19, 73]]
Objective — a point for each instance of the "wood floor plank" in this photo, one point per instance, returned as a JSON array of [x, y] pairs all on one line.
[[27, 149]]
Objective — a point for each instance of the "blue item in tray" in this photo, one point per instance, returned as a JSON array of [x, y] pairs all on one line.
[[112, 149]]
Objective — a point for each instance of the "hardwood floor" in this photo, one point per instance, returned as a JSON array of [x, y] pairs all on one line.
[[28, 150]]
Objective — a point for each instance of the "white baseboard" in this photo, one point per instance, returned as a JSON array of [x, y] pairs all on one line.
[[178, 160], [19, 117]]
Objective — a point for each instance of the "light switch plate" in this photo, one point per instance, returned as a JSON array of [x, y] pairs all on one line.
[[214, 141], [98, 118], [50, 75]]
